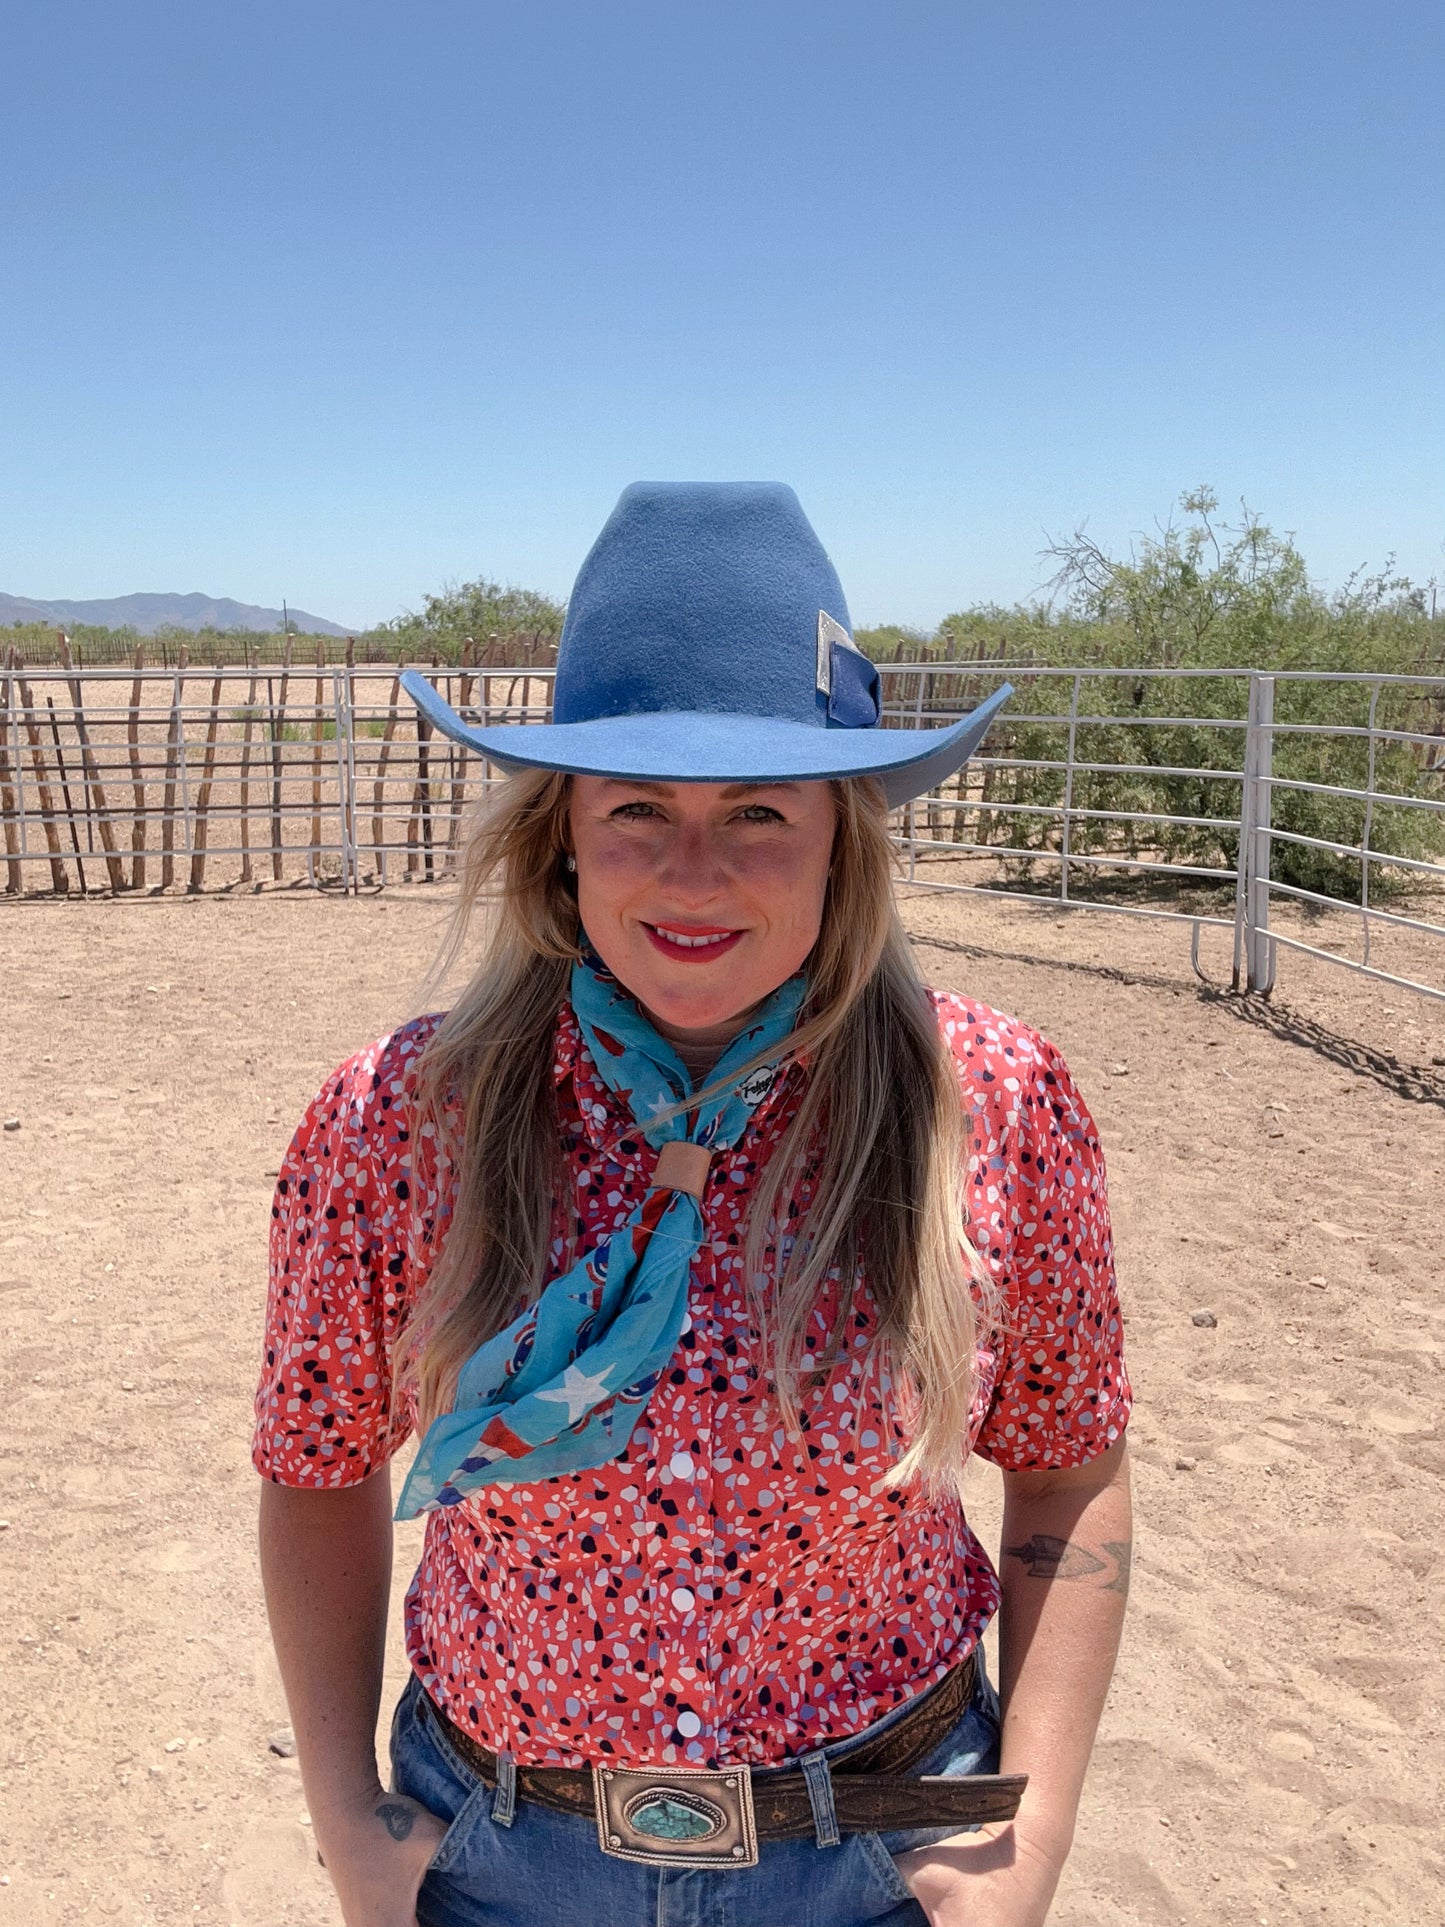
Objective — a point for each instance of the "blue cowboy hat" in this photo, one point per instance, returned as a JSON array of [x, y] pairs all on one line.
[[708, 641]]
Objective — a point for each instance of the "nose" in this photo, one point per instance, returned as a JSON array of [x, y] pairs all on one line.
[[692, 870]]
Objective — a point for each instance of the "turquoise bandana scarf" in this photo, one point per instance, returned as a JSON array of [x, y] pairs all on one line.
[[563, 1386]]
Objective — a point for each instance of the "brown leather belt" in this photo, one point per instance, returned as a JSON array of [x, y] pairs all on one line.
[[715, 1817]]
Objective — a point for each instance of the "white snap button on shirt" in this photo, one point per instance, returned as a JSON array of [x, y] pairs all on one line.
[[683, 1600], [680, 1466], [688, 1724]]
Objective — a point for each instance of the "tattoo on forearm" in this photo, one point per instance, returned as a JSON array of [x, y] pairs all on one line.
[[1046, 1557], [1121, 1551], [397, 1819]]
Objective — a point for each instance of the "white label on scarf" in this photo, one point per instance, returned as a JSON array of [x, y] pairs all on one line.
[[756, 1085]]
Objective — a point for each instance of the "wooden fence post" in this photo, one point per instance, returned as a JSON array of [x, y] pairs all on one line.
[[254, 653], [60, 882], [137, 775], [173, 749], [459, 757], [95, 793], [378, 795], [58, 879], [203, 795], [278, 733], [348, 798], [313, 851], [421, 795], [65, 792], [13, 881]]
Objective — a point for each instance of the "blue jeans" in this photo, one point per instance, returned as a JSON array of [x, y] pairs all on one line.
[[546, 1869]]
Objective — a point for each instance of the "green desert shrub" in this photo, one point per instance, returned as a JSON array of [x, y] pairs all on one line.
[[1207, 597]]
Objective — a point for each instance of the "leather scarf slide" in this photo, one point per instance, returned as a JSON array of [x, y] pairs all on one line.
[[561, 1388]]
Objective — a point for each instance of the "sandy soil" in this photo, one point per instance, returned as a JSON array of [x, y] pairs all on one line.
[[1272, 1750]]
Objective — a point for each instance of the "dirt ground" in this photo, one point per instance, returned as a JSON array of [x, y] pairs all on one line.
[[1272, 1751]]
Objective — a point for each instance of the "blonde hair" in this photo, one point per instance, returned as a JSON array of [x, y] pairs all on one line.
[[880, 1122]]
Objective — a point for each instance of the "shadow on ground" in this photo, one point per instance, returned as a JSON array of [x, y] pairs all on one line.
[[1420, 1083]]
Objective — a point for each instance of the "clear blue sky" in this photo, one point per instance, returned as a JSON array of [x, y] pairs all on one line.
[[338, 302]]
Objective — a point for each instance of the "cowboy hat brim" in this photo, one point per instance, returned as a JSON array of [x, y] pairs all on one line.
[[698, 746]]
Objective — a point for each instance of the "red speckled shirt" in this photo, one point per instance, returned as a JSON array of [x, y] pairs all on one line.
[[722, 1592]]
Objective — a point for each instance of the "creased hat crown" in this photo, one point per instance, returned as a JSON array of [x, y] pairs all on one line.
[[700, 597]]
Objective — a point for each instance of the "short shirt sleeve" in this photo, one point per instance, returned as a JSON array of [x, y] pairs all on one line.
[[343, 1262], [1039, 1212]]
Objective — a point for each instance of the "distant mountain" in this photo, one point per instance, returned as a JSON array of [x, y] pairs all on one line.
[[147, 613]]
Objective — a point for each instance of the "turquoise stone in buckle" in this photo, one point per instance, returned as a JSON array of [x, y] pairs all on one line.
[[690, 1817], [662, 1815]]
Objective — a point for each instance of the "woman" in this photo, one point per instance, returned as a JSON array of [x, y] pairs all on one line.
[[699, 1243]]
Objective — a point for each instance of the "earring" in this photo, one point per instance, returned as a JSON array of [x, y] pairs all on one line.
[[572, 864]]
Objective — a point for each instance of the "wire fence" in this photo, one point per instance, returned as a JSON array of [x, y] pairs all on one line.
[[1203, 795], [1210, 797]]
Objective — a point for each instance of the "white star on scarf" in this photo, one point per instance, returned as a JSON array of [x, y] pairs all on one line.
[[578, 1391]]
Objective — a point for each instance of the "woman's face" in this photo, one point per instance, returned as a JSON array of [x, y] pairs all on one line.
[[701, 897]]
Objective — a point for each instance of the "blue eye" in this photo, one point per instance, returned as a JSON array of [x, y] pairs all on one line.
[[761, 813], [636, 811]]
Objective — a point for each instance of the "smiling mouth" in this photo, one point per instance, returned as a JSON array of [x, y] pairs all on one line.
[[696, 943]]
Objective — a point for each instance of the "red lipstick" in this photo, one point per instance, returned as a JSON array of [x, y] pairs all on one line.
[[692, 942]]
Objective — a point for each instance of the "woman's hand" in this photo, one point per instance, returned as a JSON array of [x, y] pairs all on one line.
[[993, 1878], [378, 1857]]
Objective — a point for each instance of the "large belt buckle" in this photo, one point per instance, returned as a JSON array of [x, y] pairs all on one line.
[[691, 1817]]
